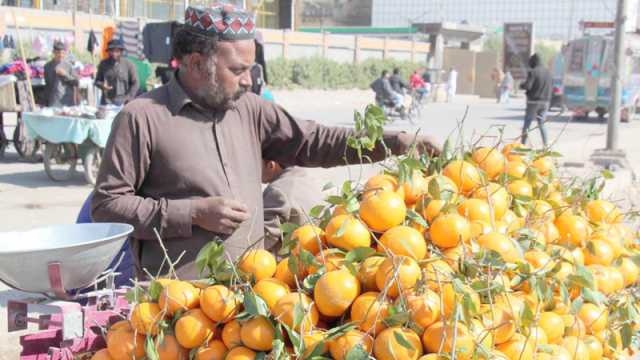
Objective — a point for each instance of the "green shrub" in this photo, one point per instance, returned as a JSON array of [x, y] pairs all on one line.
[[320, 73]]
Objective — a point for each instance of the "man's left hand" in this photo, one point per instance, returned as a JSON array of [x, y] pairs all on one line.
[[424, 144]]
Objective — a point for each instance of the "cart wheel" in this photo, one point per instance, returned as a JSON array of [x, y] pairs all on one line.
[[26, 148], [91, 162], [60, 161]]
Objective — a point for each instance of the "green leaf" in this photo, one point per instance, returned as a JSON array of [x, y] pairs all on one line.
[[577, 304], [626, 333], [582, 277], [607, 174], [527, 317], [298, 314], [316, 211], [155, 288], [294, 337], [339, 331], [399, 318], [352, 205], [346, 188], [593, 296], [359, 254], [335, 200], [357, 353], [136, 294], [402, 340], [308, 259], [254, 305], [261, 356], [292, 263], [288, 228], [342, 228], [416, 218], [310, 281], [328, 186], [150, 349], [279, 352]]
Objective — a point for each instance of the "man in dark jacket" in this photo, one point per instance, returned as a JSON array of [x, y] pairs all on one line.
[[397, 84], [538, 89], [117, 76], [61, 82], [384, 93]]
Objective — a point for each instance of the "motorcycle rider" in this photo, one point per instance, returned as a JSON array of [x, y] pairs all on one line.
[[385, 94]]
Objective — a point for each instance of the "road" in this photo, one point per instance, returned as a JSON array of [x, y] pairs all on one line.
[[29, 199]]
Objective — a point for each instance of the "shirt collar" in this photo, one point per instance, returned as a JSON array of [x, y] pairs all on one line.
[[178, 98]]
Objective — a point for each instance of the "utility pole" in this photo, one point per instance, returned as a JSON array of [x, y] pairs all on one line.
[[612, 157], [616, 78]]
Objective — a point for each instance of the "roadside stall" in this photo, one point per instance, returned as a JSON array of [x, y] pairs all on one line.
[[69, 135]]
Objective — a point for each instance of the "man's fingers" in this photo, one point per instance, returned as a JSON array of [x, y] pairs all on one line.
[[236, 216], [235, 205]]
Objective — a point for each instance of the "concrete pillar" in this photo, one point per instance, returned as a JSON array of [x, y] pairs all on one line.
[[325, 44], [3, 25], [413, 49], [385, 49], [285, 44]]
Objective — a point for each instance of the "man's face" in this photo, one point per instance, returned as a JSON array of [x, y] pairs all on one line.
[[226, 74], [115, 54], [58, 55]]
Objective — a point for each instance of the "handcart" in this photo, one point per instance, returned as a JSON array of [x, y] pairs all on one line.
[[68, 139], [15, 98]]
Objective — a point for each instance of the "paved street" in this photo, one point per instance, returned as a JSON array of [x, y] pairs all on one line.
[[30, 199]]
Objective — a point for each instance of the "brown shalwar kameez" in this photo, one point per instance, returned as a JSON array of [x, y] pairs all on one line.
[[164, 151]]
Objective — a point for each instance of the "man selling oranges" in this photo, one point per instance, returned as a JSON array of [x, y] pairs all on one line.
[[185, 159]]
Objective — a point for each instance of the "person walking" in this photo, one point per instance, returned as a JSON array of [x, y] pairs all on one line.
[[506, 86], [452, 83], [497, 76], [538, 90]]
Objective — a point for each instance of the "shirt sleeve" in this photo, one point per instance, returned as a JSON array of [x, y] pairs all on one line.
[[69, 76], [277, 210], [134, 85], [100, 76], [124, 167], [291, 141]]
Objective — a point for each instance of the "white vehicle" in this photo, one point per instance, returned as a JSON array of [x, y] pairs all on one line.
[[586, 80]]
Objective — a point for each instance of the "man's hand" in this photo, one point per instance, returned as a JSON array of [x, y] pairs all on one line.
[[424, 144], [60, 71], [217, 214]]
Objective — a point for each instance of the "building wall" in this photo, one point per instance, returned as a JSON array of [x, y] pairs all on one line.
[[485, 63], [464, 61], [553, 19], [278, 43]]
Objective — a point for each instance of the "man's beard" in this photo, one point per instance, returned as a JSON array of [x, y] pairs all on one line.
[[214, 96]]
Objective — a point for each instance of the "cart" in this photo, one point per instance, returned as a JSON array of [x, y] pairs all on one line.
[[15, 98], [69, 139], [66, 292]]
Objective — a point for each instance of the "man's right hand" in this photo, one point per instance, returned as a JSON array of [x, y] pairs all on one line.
[[218, 214]]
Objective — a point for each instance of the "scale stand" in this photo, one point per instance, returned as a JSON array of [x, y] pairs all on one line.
[[65, 325]]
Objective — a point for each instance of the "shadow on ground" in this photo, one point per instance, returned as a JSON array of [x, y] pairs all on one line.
[[39, 180]]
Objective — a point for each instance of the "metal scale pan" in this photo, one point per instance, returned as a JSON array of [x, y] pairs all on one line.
[[54, 260]]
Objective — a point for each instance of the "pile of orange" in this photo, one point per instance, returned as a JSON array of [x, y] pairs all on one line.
[[492, 257]]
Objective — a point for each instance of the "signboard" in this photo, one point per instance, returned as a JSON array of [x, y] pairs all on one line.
[[319, 13], [518, 47], [597, 24]]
